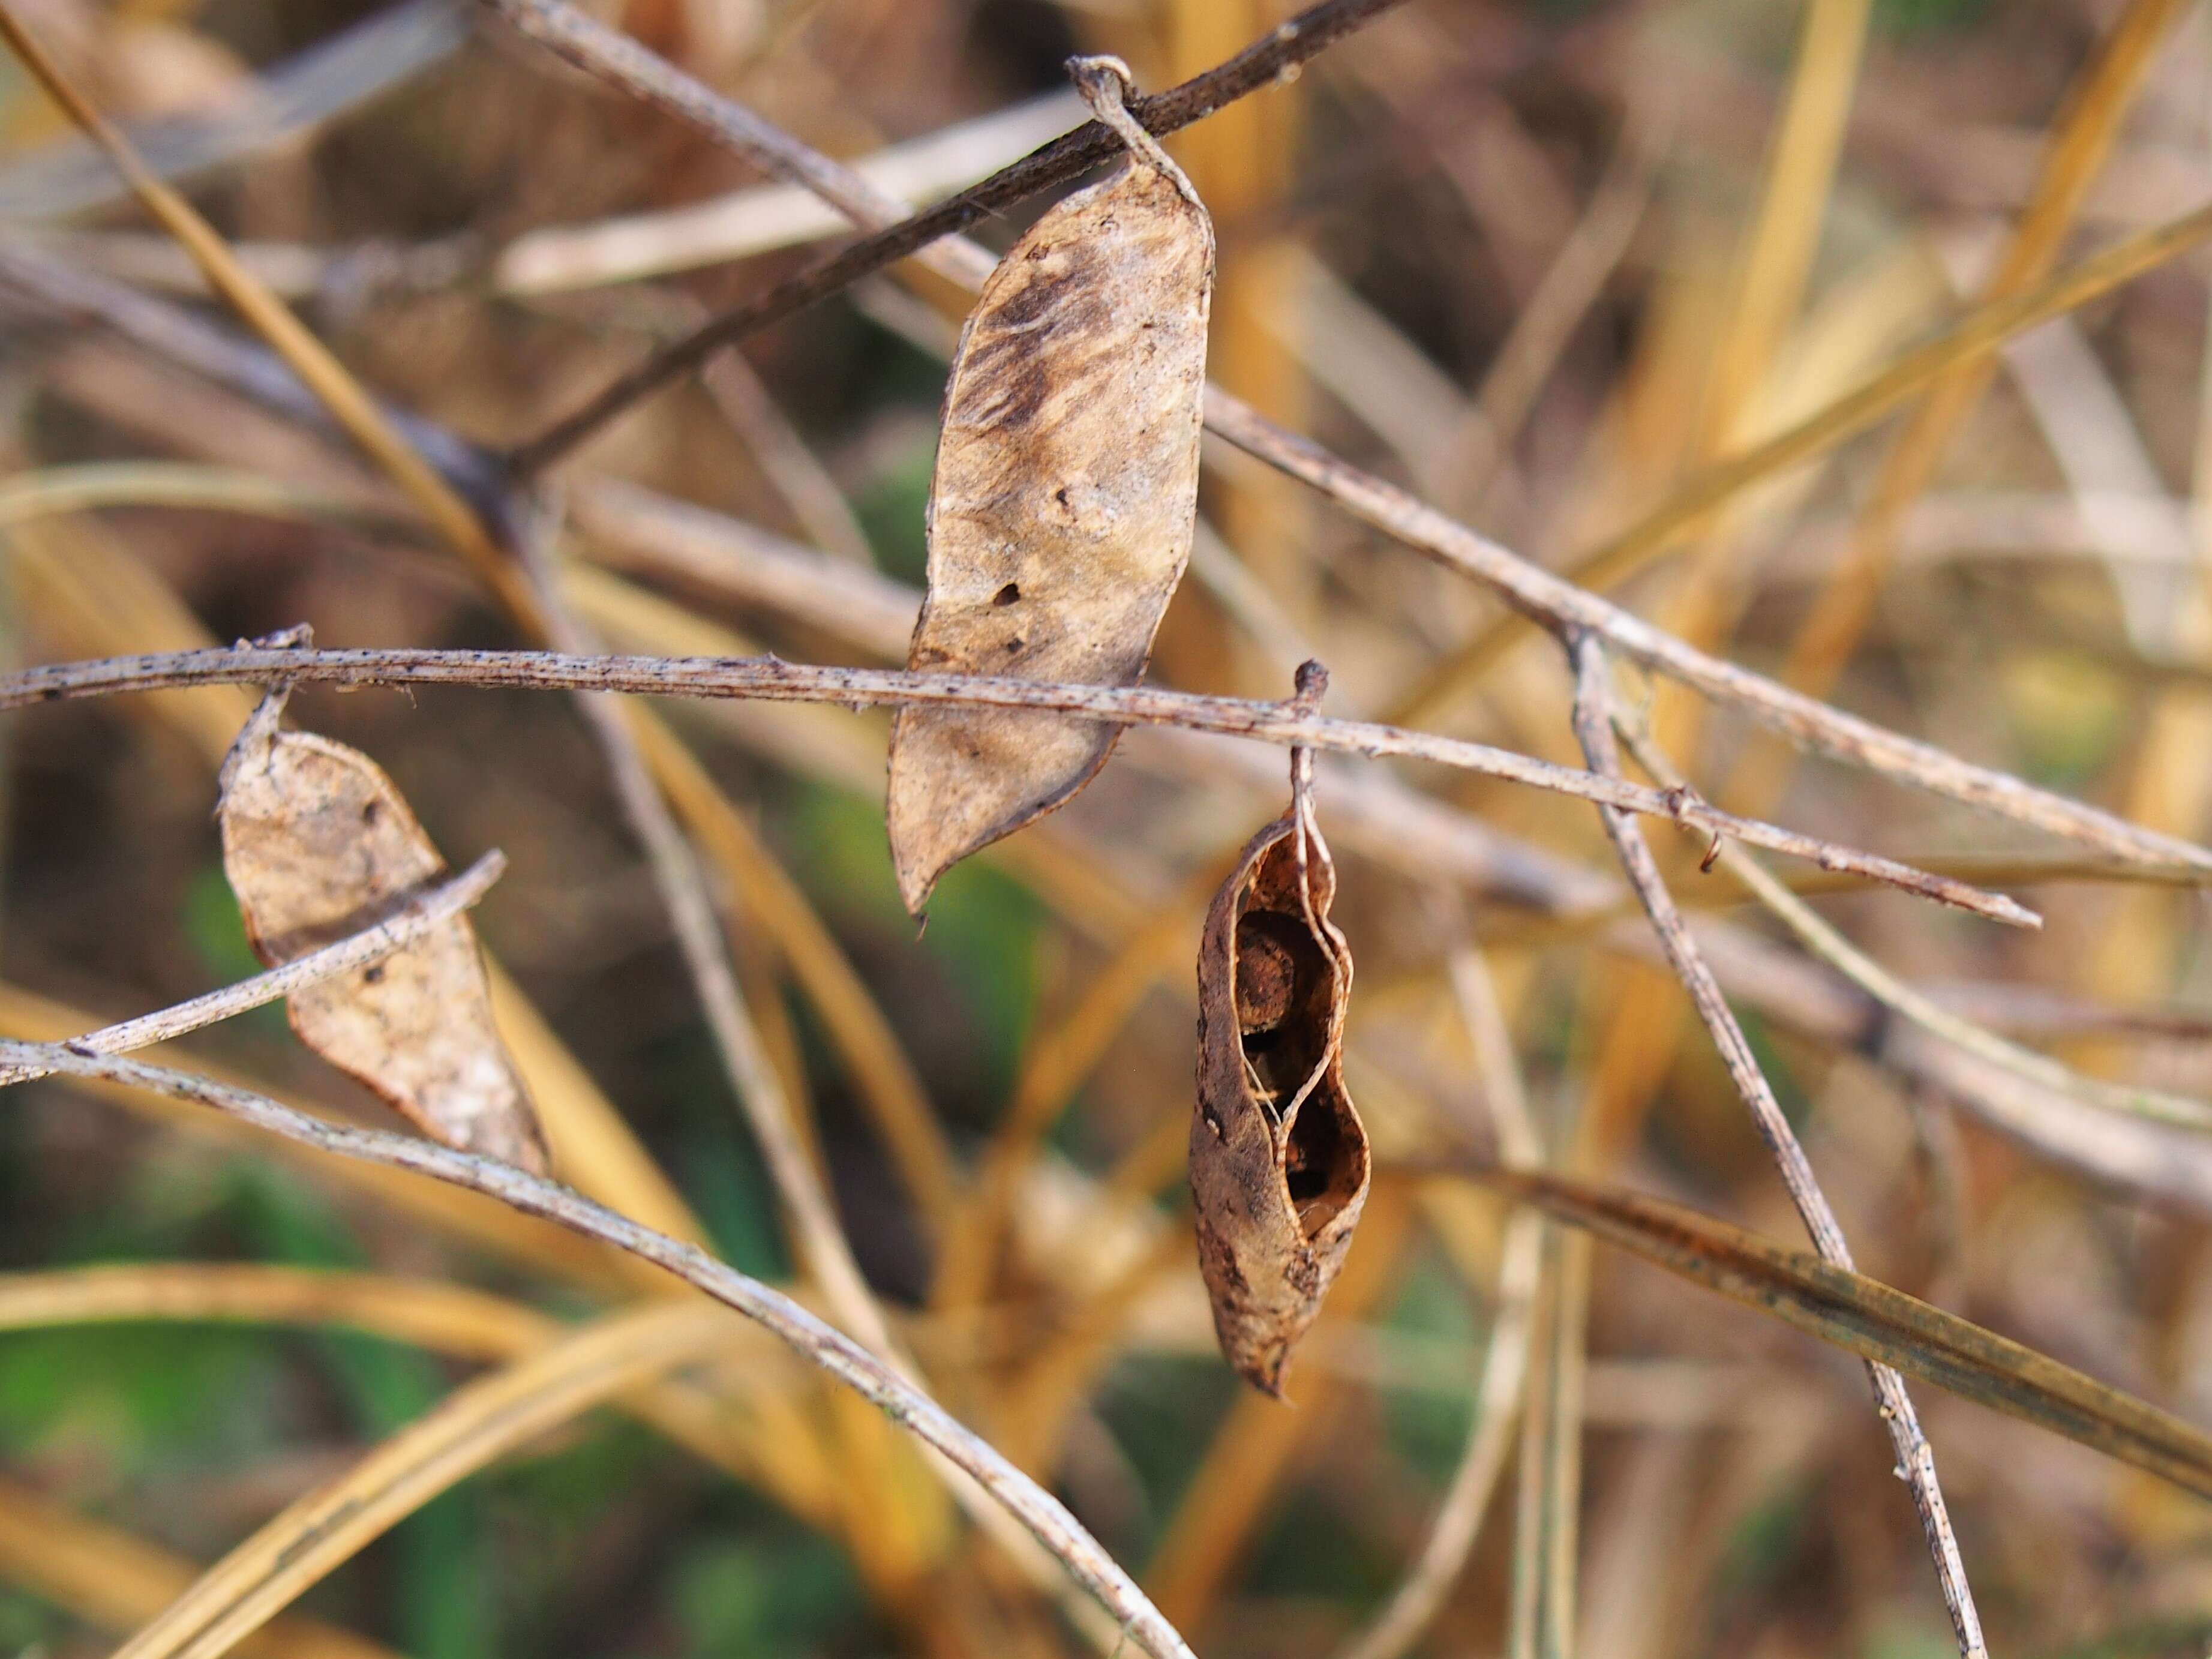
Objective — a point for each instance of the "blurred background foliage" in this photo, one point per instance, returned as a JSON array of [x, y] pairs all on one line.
[[1388, 222]]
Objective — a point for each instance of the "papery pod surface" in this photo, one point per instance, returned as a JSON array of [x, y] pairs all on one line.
[[1279, 1158]]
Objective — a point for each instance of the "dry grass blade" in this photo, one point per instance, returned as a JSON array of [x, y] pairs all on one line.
[[428, 1313], [286, 100], [2082, 140], [474, 1425], [1546, 1523], [1258, 1444], [863, 1036], [1972, 338], [1499, 1386], [1042, 1515], [115, 1582], [1569, 286], [1876, 1321], [1052, 1070], [746, 1433], [178, 483], [351, 406], [1776, 259], [1288, 723], [760, 218]]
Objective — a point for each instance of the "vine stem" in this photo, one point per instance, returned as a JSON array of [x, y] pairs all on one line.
[[1291, 723]]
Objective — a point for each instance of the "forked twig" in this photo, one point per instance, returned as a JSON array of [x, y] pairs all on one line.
[[1043, 1515], [772, 679], [1829, 945], [1916, 1460]]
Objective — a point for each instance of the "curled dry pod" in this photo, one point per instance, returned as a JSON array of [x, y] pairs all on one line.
[[1065, 496], [318, 844], [1279, 1161]]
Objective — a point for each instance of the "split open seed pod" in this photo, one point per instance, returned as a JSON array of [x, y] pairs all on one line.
[[1279, 1158]]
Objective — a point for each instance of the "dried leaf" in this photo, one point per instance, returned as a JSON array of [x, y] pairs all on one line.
[[318, 844], [1062, 512], [1279, 1160]]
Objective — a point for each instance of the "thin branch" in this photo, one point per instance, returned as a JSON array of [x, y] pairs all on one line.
[[772, 679], [1561, 606], [1829, 945], [616, 59], [1532, 591], [1916, 1458], [176, 334], [396, 933], [1039, 1512]]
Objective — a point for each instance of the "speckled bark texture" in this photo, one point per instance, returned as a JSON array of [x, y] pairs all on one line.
[[1061, 512], [1279, 1160], [318, 844]]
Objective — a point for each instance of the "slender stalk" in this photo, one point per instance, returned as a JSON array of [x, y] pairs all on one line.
[[772, 679], [1916, 1460]]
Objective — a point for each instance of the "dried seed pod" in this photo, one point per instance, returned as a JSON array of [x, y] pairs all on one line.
[[318, 844], [1066, 494], [1279, 1161]]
